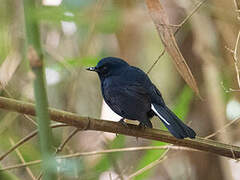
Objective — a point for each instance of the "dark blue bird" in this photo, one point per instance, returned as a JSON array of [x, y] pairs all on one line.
[[129, 92]]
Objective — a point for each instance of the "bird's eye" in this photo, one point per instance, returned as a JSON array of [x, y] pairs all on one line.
[[103, 69]]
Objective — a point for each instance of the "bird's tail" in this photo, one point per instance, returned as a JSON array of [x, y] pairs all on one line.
[[172, 122]]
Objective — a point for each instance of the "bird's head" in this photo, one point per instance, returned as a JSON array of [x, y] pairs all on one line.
[[109, 66]]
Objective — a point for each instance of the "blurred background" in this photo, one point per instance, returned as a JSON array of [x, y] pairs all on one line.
[[76, 34]]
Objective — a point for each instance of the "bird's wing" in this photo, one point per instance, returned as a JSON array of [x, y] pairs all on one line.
[[129, 101], [156, 96], [115, 94], [132, 82], [142, 81]]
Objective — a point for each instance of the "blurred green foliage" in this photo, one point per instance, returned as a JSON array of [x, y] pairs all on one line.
[[109, 160], [4, 175]]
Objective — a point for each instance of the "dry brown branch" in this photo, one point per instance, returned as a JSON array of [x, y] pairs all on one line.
[[86, 123], [24, 115]]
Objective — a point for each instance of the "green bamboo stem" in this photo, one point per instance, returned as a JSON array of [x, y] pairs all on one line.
[[35, 57]]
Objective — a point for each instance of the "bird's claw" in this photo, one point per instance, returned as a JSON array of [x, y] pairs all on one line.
[[123, 122], [142, 125]]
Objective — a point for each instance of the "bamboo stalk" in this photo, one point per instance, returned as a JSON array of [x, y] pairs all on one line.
[[35, 57]]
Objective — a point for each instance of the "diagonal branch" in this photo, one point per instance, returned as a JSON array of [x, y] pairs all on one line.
[[149, 166], [22, 160], [25, 139], [86, 123]]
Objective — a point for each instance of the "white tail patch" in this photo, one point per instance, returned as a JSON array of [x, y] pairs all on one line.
[[159, 115]]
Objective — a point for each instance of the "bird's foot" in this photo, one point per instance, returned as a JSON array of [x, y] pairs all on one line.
[[142, 125], [145, 124], [123, 122]]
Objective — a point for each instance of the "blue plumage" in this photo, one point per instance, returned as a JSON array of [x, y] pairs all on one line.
[[130, 93]]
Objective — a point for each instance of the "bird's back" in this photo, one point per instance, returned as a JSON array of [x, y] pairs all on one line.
[[127, 93]]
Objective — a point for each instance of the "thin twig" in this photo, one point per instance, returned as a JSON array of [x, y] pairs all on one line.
[[26, 138], [177, 30], [189, 16], [237, 5], [15, 166], [30, 119], [229, 89], [60, 148], [223, 128], [22, 160], [40, 175], [126, 150], [149, 166], [229, 49], [235, 56], [92, 29], [233, 90], [101, 152], [156, 61]]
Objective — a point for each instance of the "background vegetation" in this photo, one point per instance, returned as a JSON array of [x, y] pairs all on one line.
[[74, 34]]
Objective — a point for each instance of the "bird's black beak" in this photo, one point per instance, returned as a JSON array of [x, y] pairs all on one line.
[[91, 69]]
